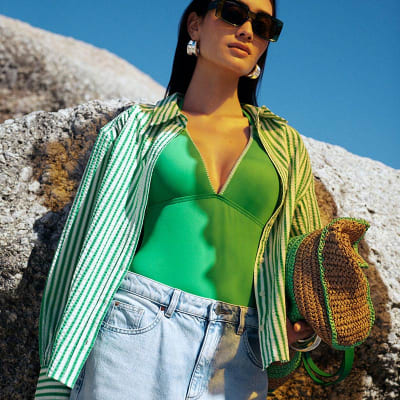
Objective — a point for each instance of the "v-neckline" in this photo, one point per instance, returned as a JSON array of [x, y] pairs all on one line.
[[232, 171]]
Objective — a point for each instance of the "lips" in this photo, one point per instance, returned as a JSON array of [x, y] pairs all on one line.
[[240, 46]]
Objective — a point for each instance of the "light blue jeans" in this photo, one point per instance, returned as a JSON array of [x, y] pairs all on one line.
[[157, 342]]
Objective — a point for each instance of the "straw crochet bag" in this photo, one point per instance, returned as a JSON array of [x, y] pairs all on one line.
[[327, 287]]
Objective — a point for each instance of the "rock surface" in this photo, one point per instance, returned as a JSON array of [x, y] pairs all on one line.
[[40, 70]]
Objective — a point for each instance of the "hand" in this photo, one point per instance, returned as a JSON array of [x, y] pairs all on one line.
[[298, 330]]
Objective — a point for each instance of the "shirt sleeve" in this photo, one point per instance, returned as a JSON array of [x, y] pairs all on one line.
[[306, 217], [66, 257]]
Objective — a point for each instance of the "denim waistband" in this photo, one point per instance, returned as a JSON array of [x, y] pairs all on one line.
[[177, 299]]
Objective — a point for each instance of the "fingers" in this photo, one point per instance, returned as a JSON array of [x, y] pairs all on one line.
[[303, 329], [298, 330]]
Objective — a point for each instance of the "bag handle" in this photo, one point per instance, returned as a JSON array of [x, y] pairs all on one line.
[[342, 372]]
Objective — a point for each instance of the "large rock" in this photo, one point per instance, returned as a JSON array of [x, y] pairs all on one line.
[[42, 158], [40, 70]]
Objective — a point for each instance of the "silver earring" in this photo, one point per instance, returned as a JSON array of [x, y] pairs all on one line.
[[192, 48], [255, 73]]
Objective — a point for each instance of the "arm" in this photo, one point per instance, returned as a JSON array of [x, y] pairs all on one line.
[[306, 218], [66, 257]]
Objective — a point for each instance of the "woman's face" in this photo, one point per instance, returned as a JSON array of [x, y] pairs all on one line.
[[216, 37]]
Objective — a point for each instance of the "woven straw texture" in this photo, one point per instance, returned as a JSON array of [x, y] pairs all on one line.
[[308, 290], [326, 286], [330, 287]]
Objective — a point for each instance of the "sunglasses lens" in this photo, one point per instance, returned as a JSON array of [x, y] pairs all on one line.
[[233, 13], [263, 26]]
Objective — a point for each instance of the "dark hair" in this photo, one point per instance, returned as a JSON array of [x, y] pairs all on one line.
[[184, 65]]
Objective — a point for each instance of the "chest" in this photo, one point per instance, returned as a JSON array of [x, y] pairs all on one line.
[[220, 148]]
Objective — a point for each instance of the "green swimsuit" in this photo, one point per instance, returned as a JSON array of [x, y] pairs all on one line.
[[197, 240]]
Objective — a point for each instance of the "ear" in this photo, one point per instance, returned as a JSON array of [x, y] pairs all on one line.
[[193, 25]]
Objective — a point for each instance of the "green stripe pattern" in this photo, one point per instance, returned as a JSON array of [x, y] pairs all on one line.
[[103, 226]]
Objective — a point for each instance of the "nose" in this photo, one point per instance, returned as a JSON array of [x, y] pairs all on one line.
[[247, 29]]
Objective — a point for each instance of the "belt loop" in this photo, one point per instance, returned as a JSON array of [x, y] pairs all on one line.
[[211, 310], [173, 302], [241, 325]]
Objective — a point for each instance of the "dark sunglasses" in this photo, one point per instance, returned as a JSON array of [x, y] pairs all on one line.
[[236, 13]]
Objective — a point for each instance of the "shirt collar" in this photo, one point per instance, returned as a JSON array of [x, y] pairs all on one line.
[[169, 108]]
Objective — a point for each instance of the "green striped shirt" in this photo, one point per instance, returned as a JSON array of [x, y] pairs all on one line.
[[103, 227]]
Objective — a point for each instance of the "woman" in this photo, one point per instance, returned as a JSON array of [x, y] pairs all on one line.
[[168, 280]]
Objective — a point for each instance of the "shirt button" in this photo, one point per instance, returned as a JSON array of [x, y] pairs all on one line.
[[262, 293], [262, 259]]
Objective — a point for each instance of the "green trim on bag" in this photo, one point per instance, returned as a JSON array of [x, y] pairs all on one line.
[[365, 265]]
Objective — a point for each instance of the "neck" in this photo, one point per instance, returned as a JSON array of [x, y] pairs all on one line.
[[212, 92]]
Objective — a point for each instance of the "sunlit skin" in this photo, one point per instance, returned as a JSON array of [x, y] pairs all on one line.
[[212, 94]]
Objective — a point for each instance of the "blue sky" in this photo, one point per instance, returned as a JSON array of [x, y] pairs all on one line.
[[333, 74]]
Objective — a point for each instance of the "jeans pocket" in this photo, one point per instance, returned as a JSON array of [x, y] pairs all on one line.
[[131, 314], [252, 344]]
